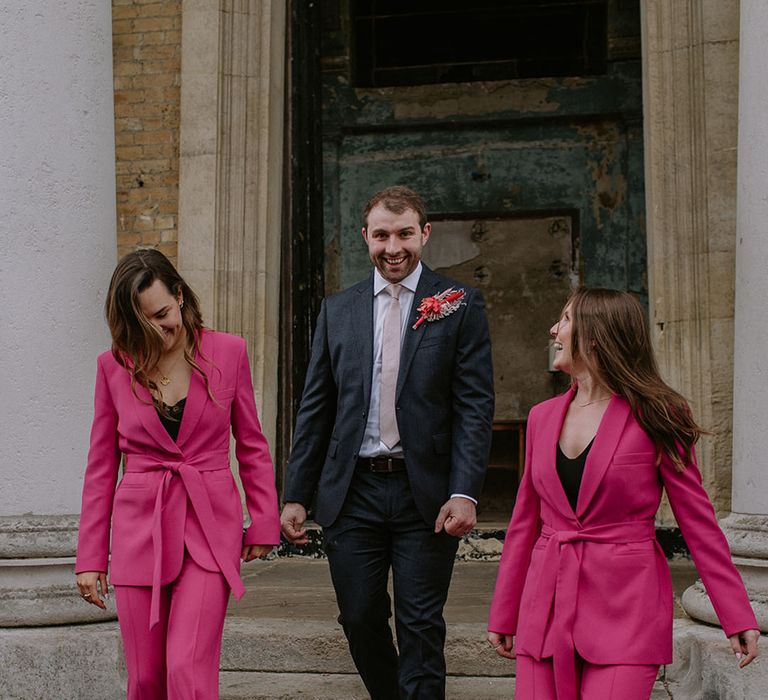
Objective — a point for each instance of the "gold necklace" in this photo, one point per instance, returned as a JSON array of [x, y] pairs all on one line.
[[589, 403], [163, 379]]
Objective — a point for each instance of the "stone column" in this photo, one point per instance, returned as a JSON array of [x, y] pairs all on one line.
[[57, 250], [690, 84], [231, 174], [747, 525]]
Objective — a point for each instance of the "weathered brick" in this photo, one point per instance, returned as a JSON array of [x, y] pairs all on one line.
[[153, 137], [154, 24], [128, 152], [161, 9], [165, 222], [122, 26], [124, 11], [129, 96], [128, 124], [154, 80], [147, 75], [127, 68]]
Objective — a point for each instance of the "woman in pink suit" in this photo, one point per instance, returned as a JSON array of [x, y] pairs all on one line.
[[166, 398], [583, 597]]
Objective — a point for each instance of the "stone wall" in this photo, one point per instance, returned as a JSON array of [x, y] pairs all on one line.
[[147, 77]]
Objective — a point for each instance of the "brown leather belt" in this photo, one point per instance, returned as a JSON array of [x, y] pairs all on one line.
[[382, 465]]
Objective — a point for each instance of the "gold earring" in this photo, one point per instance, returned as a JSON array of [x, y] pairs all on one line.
[[181, 304]]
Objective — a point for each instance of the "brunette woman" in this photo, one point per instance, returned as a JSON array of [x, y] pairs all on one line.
[[167, 396], [583, 596]]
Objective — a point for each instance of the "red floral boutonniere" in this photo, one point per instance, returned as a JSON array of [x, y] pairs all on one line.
[[439, 306]]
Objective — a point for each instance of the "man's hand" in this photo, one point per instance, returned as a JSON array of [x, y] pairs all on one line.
[[458, 516], [255, 551], [503, 644], [89, 592], [292, 523]]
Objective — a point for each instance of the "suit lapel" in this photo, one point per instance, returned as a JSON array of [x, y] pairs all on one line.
[[551, 435], [428, 282], [145, 408], [599, 458], [197, 396], [363, 330]]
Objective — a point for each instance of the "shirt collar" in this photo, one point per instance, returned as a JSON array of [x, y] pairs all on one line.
[[410, 282]]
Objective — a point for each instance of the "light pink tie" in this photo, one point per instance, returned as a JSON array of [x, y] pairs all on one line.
[[390, 364]]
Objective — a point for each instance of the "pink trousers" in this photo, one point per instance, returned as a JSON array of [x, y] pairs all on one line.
[[536, 680], [179, 658]]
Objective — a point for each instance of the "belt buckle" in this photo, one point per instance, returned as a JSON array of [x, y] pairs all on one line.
[[380, 465]]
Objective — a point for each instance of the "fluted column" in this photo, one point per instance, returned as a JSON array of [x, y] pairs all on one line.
[[690, 83], [57, 250], [231, 174], [747, 525]]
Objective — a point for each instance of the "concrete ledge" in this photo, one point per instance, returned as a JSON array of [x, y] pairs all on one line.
[[287, 686], [705, 669], [312, 646], [66, 663]]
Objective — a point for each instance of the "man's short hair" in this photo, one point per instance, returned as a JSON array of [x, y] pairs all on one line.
[[397, 199]]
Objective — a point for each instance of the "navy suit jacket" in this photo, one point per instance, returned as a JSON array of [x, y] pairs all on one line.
[[444, 401]]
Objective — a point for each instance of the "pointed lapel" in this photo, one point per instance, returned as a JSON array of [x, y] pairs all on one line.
[[197, 396], [607, 439], [550, 480], [428, 282], [363, 329], [147, 413]]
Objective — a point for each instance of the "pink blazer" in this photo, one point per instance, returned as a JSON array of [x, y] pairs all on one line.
[[176, 494], [597, 576]]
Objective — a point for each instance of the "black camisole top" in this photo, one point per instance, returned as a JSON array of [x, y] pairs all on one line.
[[571, 472]]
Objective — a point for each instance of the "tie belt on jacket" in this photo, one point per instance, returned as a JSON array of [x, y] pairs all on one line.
[[559, 582], [189, 472]]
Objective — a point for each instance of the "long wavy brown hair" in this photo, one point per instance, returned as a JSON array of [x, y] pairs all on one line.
[[611, 338], [137, 344]]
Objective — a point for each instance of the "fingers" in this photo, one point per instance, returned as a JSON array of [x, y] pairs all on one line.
[[454, 526], [503, 644], [294, 533], [749, 645], [458, 524], [87, 585], [457, 516], [735, 645], [442, 516], [292, 523], [255, 551]]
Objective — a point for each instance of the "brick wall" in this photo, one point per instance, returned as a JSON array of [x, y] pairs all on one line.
[[146, 39]]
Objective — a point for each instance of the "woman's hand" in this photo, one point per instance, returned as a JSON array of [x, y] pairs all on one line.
[[86, 583], [255, 551], [745, 643], [503, 644]]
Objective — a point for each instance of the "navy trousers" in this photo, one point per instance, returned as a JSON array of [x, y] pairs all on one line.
[[380, 528]]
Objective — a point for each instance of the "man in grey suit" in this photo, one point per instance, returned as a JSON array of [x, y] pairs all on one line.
[[392, 442]]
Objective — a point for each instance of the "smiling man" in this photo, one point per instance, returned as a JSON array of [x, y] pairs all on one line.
[[392, 442]]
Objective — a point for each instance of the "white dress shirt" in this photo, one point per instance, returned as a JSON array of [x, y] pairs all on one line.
[[372, 446]]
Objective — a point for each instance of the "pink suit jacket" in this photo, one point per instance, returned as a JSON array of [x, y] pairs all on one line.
[[176, 494], [596, 579]]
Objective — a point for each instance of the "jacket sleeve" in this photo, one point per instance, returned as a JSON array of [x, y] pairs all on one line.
[[314, 422], [100, 479], [696, 517], [257, 472], [473, 401], [523, 531]]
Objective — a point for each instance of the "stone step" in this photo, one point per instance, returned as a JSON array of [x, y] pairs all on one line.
[[243, 685], [319, 647]]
